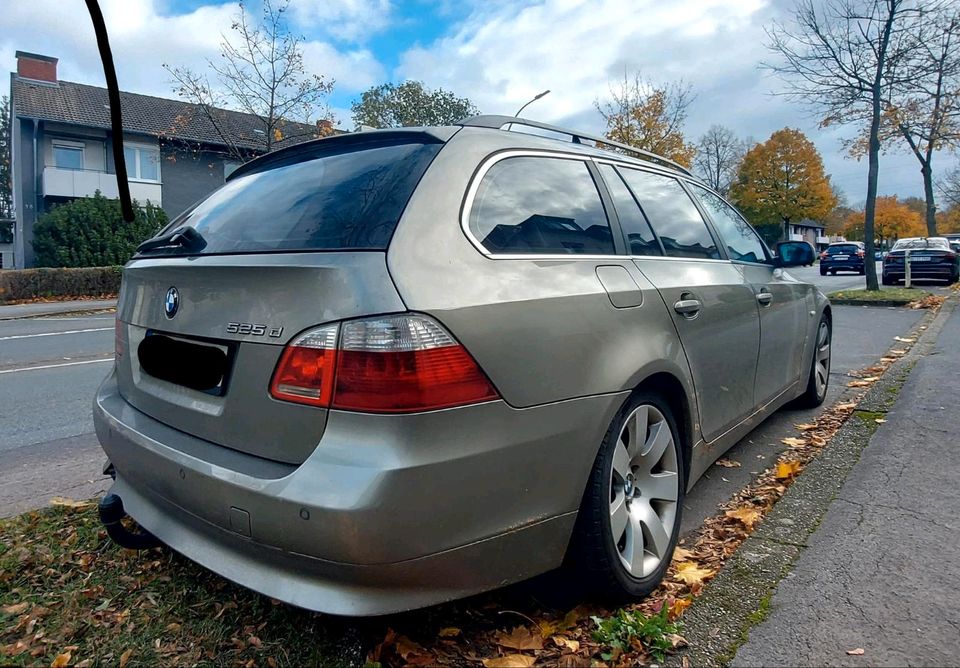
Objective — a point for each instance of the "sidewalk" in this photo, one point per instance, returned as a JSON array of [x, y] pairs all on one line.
[[16, 311], [881, 572]]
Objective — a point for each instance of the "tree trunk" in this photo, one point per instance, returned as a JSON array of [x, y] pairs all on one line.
[[927, 172], [871, 205]]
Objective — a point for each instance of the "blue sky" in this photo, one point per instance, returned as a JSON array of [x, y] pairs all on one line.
[[499, 53]]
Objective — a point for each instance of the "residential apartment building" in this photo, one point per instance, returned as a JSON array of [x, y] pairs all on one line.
[[62, 147]]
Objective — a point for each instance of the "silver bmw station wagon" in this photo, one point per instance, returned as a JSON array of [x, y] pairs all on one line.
[[387, 369]]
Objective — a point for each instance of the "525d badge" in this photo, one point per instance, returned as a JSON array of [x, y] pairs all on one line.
[[254, 329]]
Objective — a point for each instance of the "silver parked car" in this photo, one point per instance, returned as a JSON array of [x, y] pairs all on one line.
[[387, 369]]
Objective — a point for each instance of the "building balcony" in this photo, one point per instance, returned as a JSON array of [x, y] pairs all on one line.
[[58, 182]]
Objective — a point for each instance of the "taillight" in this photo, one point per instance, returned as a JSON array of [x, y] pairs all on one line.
[[861, 253], [388, 364], [950, 256], [823, 255], [888, 256], [306, 368]]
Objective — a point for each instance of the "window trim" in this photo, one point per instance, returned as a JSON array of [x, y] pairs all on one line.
[[468, 200], [138, 148], [71, 145], [713, 227]]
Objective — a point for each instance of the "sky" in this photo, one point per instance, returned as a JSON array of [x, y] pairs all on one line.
[[498, 53]]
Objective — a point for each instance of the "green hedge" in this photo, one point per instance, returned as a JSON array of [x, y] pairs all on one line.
[[25, 284], [91, 232]]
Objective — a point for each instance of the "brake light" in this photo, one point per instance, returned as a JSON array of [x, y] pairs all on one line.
[[388, 364], [823, 255], [861, 253], [950, 256], [305, 372], [888, 256]]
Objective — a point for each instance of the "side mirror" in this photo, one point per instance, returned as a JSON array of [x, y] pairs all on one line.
[[794, 254]]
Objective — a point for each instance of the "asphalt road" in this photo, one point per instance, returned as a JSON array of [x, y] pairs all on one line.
[[831, 283], [50, 369]]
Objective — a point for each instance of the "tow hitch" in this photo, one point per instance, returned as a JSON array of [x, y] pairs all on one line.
[[111, 513]]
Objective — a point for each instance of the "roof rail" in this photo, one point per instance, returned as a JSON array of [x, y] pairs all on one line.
[[498, 122]]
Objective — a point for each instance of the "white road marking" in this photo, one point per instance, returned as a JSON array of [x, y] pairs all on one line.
[[54, 366], [70, 331]]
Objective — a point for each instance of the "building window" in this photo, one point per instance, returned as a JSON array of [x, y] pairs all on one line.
[[143, 163], [68, 155]]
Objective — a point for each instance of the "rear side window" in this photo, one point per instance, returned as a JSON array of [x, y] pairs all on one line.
[[741, 241], [349, 199], [635, 226], [672, 214], [533, 205]]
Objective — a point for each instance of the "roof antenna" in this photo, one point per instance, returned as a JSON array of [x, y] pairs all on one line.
[[116, 120]]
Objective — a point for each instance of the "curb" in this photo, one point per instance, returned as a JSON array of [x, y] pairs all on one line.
[[73, 311], [877, 302], [737, 599]]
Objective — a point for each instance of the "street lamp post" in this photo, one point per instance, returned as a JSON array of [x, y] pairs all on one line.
[[536, 97]]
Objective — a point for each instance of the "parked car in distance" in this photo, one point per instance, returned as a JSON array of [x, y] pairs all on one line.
[[930, 257], [387, 369], [842, 256]]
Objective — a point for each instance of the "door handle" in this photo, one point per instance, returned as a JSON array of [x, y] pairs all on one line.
[[765, 298], [688, 307]]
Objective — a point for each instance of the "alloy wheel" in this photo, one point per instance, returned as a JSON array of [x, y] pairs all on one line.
[[821, 369], [644, 488]]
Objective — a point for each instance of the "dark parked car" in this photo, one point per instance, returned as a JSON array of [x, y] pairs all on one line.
[[843, 256], [930, 257]]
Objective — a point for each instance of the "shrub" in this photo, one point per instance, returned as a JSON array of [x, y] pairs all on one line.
[[91, 232], [26, 284]]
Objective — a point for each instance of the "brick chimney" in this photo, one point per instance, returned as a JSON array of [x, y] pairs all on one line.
[[36, 67]]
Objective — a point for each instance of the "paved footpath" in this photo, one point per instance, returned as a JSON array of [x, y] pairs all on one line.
[[17, 311], [882, 572]]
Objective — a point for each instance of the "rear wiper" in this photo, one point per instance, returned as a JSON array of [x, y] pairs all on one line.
[[185, 237]]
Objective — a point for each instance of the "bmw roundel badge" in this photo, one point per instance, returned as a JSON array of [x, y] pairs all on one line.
[[172, 303]]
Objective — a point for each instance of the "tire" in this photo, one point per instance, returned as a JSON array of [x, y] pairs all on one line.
[[863, 271], [823, 272], [818, 379], [833, 272], [886, 280], [648, 521]]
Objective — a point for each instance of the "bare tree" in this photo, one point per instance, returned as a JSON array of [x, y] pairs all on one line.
[[719, 153], [844, 59], [949, 187], [925, 112], [649, 117], [261, 72]]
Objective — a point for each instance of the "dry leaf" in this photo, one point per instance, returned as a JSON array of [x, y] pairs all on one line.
[[879, 420], [845, 407], [898, 352], [691, 573], [805, 426], [14, 609], [727, 463], [510, 661], [903, 340], [681, 554], [856, 652], [125, 658], [520, 639], [794, 442], [787, 469], [69, 503], [563, 641], [449, 632], [61, 660], [678, 606], [748, 516]]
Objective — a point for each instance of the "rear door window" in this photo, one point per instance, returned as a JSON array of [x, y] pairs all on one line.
[[540, 206], [672, 214], [639, 235], [349, 197], [741, 241]]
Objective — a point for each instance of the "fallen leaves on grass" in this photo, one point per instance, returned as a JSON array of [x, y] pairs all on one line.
[[727, 463], [69, 503]]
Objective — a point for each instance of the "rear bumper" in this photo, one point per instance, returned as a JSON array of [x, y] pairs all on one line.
[[389, 513], [853, 265], [921, 270]]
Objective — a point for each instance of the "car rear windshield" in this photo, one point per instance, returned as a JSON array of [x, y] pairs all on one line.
[[348, 198], [842, 250], [914, 244]]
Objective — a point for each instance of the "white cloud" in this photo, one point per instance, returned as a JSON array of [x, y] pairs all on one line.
[[352, 70], [351, 20]]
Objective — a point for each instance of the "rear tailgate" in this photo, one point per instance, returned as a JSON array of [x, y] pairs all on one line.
[[247, 307]]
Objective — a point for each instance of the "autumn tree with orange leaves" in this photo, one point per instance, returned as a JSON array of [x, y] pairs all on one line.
[[782, 180], [649, 117], [893, 220]]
